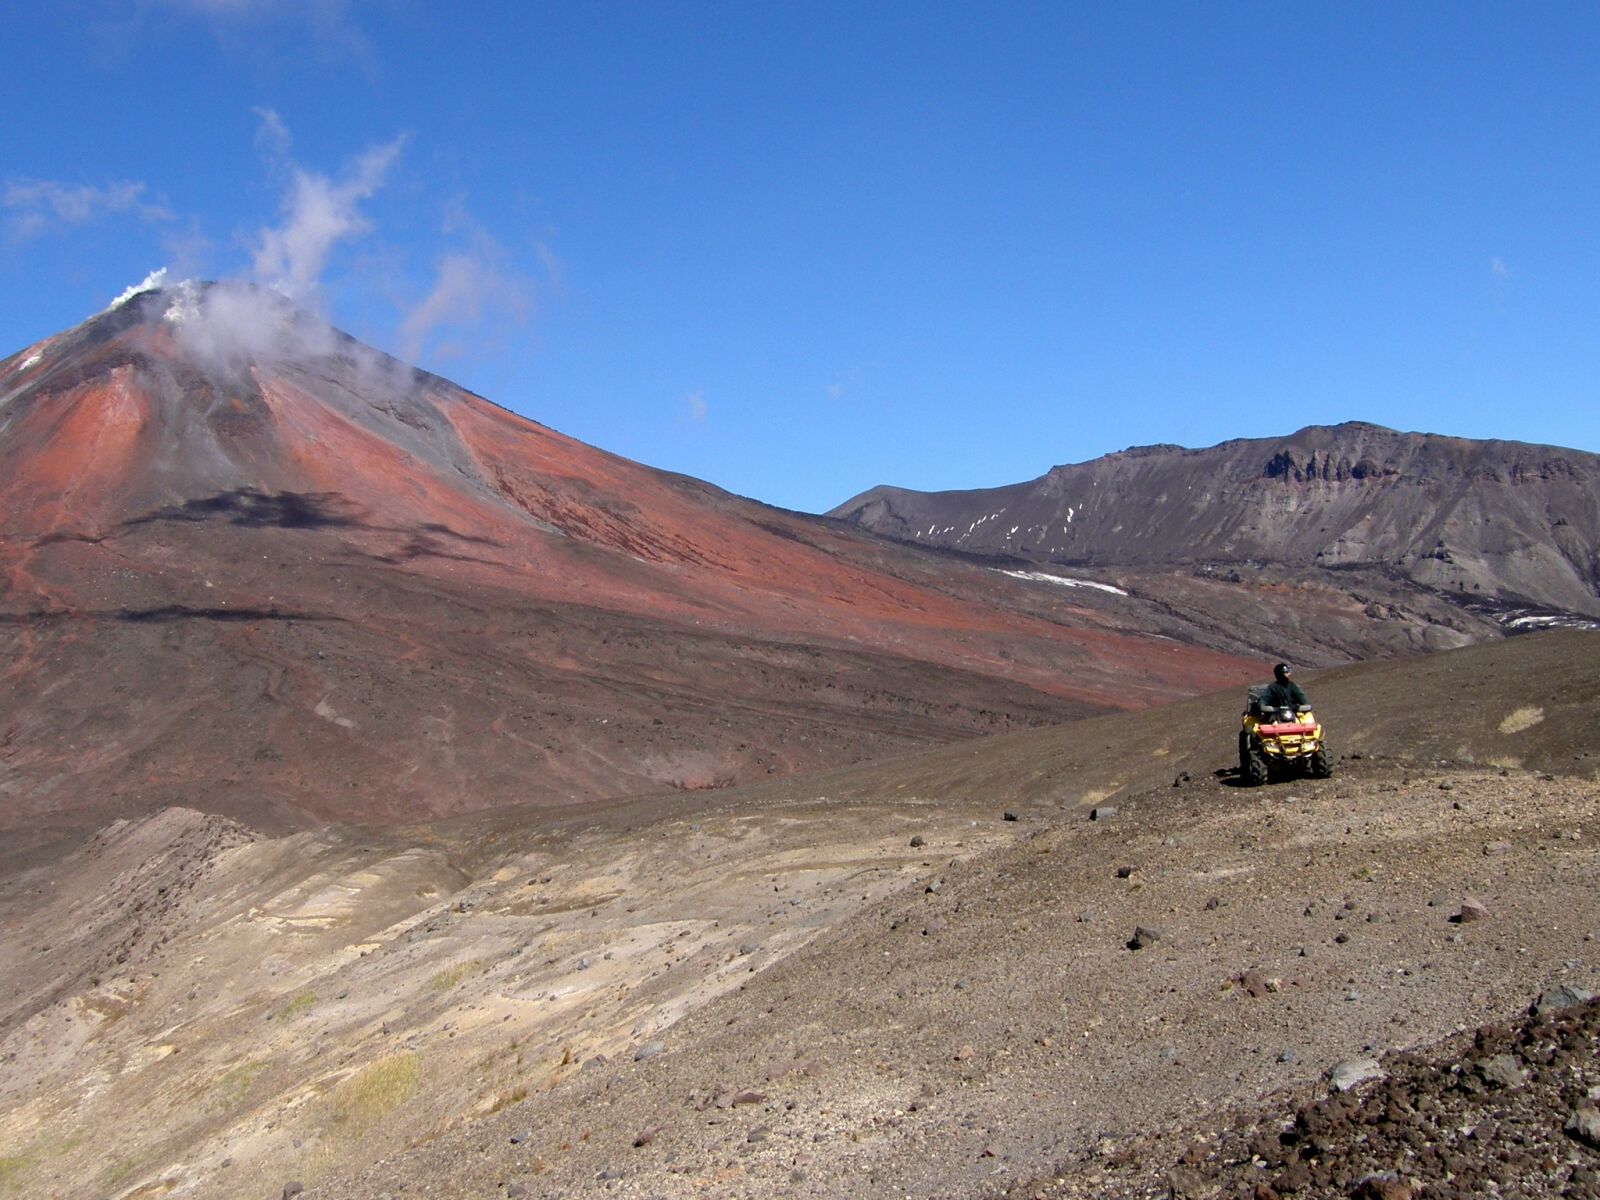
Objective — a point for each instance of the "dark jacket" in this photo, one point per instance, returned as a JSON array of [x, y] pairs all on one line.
[[1284, 695]]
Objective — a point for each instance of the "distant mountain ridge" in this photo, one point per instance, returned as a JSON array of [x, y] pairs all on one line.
[[1482, 521]]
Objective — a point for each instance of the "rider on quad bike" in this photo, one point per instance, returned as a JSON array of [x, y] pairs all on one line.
[[1281, 735]]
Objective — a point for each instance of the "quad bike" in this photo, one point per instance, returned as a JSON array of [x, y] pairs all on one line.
[[1278, 742]]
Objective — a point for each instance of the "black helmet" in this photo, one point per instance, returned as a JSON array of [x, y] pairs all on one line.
[[1280, 672]]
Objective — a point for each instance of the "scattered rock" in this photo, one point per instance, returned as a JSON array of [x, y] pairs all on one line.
[[1585, 1125], [800, 1066], [515, 1191], [649, 1050], [1382, 1185], [1560, 997], [1124, 872], [1353, 1072], [1493, 849], [964, 1053], [646, 1135], [1254, 984], [918, 840], [759, 1134], [1471, 910], [1011, 816], [1143, 936], [1181, 779], [746, 948], [936, 926], [292, 1189], [1502, 1071], [1188, 1183], [1102, 812]]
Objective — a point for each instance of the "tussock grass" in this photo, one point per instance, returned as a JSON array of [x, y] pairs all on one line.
[[376, 1090], [1522, 718], [123, 1168], [448, 978], [503, 1100], [297, 1005], [231, 1087], [12, 1165]]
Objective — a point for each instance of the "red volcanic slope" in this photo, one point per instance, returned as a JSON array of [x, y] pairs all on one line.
[[254, 566]]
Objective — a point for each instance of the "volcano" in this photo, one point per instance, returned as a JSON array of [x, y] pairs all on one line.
[[256, 568]]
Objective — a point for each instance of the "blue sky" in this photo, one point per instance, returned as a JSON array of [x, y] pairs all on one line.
[[798, 250]]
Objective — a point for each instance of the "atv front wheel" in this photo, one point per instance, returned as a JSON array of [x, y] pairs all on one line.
[[1319, 767], [1252, 767]]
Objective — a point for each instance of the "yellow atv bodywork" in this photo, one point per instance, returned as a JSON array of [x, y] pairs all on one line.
[[1280, 742]]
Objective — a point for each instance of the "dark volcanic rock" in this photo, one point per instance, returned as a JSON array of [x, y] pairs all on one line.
[[1338, 496], [1439, 541]]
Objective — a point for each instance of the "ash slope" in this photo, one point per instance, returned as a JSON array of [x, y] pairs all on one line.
[[456, 1009], [1496, 526], [252, 567]]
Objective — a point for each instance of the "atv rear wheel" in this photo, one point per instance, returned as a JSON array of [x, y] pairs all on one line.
[[1318, 767], [1252, 767]]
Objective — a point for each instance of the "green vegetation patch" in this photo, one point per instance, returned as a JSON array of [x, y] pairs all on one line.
[[376, 1090], [297, 1005], [448, 978], [12, 1165], [232, 1086]]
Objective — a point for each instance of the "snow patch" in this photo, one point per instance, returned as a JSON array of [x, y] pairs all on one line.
[[29, 361], [150, 283], [1063, 581], [1549, 621]]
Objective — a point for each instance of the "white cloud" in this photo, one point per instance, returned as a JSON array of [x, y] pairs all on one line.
[[696, 402], [1498, 268], [476, 296], [467, 287], [272, 136], [318, 213], [41, 205]]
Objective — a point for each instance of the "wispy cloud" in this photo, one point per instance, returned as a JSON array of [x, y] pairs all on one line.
[[39, 206], [334, 32], [477, 295], [1498, 268], [471, 291], [319, 212], [696, 406]]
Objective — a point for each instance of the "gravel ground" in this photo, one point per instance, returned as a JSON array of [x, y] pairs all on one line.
[[993, 1018]]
